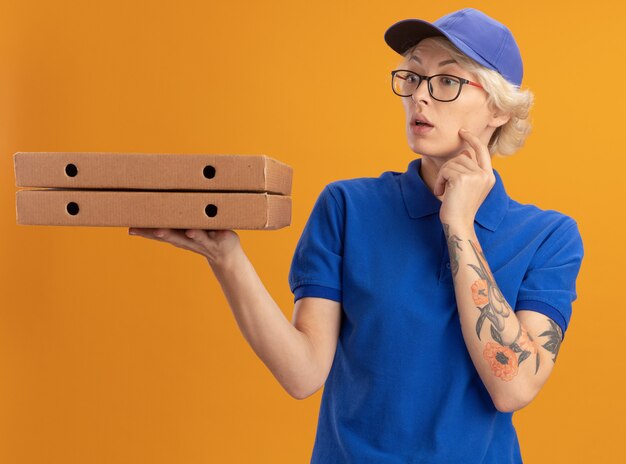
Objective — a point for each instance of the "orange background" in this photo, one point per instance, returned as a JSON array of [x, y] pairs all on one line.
[[119, 349]]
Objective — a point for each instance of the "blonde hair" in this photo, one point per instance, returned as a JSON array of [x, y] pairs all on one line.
[[503, 96]]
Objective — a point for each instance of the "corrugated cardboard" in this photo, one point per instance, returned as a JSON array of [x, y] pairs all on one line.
[[177, 210], [153, 190], [243, 173]]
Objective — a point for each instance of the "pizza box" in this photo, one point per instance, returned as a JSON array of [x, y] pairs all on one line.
[[153, 190], [152, 171]]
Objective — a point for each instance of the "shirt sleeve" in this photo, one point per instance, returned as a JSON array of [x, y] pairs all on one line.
[[316, 267], [549, 285]]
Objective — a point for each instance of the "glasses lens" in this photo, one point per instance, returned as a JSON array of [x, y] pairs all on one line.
[[404, 83], [445, 87]]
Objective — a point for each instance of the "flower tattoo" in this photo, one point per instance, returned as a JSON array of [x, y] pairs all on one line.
[[502, 361], [493, 306]]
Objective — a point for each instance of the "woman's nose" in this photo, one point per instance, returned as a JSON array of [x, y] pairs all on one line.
[[421, 93]]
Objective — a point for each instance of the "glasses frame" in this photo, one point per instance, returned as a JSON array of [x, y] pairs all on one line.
[[430, 89]]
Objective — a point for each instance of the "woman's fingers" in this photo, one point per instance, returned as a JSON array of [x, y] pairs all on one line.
[[445, 174], [144, 231], [214, 245], [466, 162], [459, 165], [200, 236], [482, 156], [174, 236], [150, 232], [442, 177]]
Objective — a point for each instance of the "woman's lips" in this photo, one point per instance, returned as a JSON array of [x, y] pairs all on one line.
[[419, 129]]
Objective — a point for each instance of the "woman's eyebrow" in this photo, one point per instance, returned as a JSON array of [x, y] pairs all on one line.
[[413, 57]]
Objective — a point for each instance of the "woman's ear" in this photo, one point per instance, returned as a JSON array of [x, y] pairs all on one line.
[[499, 119]]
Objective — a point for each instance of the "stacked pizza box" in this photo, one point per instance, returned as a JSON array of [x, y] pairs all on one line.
[[180, 191]]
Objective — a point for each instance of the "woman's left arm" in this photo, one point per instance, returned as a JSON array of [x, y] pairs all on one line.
[[504, 345]]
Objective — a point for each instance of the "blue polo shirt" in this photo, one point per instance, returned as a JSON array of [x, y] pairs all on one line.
[[402, 387]]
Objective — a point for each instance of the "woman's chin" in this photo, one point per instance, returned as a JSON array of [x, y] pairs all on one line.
[[422, 147], [431, 150]]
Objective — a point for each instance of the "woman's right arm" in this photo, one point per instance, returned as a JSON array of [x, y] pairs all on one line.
[[298, 354]]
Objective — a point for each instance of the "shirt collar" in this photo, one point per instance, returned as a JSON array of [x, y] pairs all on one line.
[[420, 201]]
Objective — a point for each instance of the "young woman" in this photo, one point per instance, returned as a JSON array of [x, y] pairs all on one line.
[[429, 304]]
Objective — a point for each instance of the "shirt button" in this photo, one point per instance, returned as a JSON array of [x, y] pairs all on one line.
[[448, 265]]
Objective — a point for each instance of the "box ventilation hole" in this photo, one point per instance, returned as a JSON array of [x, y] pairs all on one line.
[[209, 172], [71, 170], [211, 210], [72, 208]]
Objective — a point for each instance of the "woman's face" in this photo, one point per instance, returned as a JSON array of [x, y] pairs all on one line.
[[468, 111]]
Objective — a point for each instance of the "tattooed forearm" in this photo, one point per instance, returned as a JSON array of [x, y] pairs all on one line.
[[498, 339], [504, 356], [454, 244], [492, 305]]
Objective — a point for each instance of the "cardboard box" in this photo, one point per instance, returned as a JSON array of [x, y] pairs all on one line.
[[242, 173], [153, 190], [176, 210]]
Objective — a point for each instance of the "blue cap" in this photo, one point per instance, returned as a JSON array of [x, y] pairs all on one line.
[[477, 35]]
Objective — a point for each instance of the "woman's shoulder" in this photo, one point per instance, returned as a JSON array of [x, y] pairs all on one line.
[[531, 217], [357, 188], [357, 183]]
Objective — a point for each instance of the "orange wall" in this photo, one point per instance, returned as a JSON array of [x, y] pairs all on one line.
[[118, 349]]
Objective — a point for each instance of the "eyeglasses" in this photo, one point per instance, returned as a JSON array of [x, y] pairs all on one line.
[[442, 87]]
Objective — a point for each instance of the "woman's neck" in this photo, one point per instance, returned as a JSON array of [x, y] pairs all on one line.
[[429, 168]]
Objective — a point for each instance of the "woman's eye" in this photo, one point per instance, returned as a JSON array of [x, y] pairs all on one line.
[[448, 81]]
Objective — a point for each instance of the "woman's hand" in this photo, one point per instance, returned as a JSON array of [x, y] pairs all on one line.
[[465, 182], [214, 245]]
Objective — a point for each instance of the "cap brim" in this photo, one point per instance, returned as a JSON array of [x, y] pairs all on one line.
[[406, 33]]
